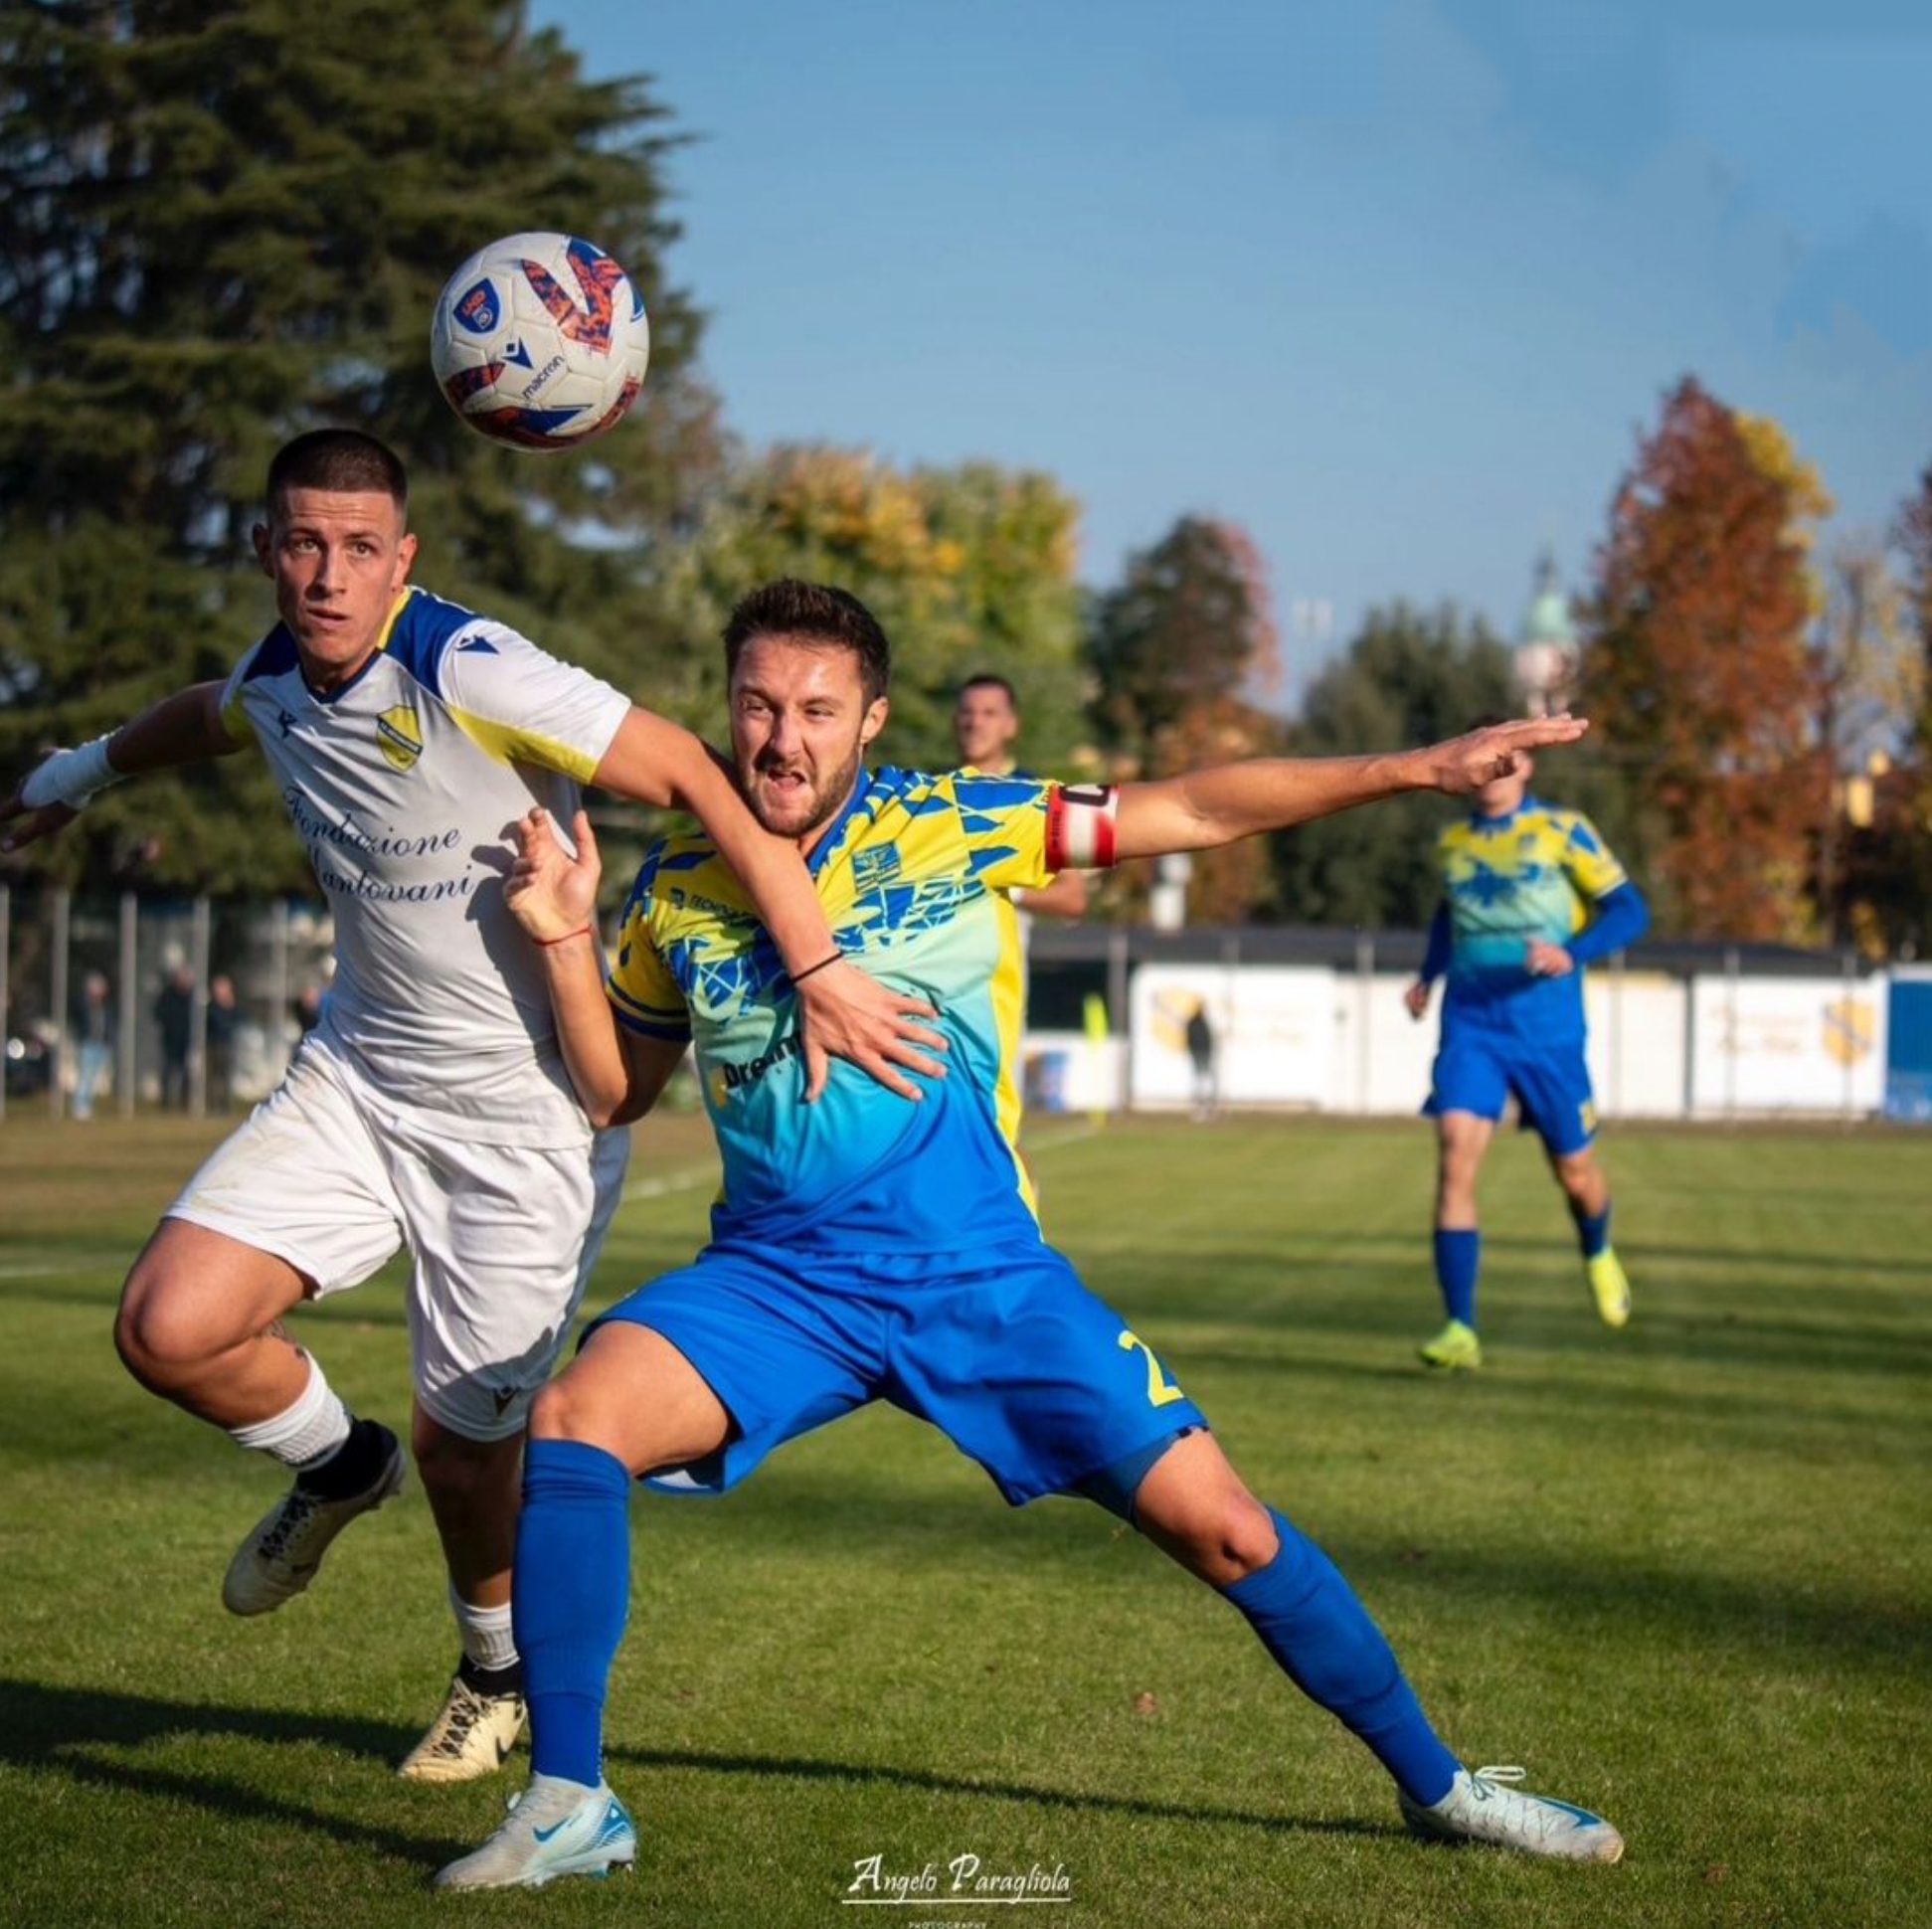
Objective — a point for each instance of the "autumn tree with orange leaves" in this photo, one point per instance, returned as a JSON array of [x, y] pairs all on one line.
[[1900, 883], [1697, 672]]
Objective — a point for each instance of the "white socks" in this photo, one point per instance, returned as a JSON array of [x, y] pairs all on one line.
[[303, 1435], [487, 1639]]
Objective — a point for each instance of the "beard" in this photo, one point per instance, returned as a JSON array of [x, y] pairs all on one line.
[[798, 812]]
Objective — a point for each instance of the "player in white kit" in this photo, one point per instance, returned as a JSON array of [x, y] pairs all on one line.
[[428, 1107]]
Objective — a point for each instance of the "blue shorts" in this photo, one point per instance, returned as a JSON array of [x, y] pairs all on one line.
[[1001, 1348], [1477, 1067]]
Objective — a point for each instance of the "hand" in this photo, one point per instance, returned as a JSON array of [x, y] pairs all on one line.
[[1547, 961], [1416, 998], [843, 1010], [26, 825], [1465, 763], [550, 892]]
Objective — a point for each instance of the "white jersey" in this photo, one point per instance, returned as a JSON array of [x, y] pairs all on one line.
[[405, 784]]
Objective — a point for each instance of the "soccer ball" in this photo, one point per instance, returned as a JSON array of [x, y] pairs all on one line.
[[540, 341]]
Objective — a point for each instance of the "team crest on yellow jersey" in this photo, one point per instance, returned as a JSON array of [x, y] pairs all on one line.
[[399, 736]]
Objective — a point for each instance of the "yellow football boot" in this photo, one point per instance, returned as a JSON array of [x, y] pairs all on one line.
[[1609, 1287]]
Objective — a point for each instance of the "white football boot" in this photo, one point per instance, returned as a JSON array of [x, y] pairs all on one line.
[[1481, 1808], [556, 1828], [281, 1555]]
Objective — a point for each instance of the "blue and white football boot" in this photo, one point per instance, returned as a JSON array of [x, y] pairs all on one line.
[[1482, 1807], [556, 1828]]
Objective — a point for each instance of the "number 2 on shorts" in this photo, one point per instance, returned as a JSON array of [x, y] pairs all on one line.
[[1160, 1389]]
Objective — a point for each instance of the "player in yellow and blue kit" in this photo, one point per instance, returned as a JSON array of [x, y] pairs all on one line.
[[1531, 896], [986, 727], [867, 1251]]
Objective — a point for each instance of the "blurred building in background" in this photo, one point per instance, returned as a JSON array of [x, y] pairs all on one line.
[[1546, 644]]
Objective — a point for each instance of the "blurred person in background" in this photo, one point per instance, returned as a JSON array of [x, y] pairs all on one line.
[[986, 727], [96, 1032], [1531, 894], [174, 1013], [224, 1016]]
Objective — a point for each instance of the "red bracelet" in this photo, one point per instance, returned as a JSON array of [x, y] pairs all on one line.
[[581, 931]]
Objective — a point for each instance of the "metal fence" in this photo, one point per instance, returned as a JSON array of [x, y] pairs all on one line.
[[204, 998]]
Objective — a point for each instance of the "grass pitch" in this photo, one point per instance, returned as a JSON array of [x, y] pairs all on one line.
[[1683, 1573]]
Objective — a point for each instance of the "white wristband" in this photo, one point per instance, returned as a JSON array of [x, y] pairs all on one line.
[[70, 776]]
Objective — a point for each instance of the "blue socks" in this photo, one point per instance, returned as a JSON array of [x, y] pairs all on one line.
[[1321, 1638], [573, 1587], [571, 1592], [1593, 1232], [1459, 1255]]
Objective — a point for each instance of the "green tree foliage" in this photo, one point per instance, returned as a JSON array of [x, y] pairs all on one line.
[[1697, 668], [1188, 625], [968, 569], [1409, 677], [1180, 650], [223, 222]]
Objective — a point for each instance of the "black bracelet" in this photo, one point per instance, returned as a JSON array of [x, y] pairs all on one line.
[[798, 978]]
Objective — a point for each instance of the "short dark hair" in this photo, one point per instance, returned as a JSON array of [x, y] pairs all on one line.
[[815, 613], [340, 461], [991, 680]]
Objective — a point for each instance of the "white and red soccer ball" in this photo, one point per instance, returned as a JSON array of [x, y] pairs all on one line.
[[540, 341]]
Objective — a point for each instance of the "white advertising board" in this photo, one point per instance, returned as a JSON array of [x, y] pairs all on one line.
[[1787, 1045], [1275, 1032]]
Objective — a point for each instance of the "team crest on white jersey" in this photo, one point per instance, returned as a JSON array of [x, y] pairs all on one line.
[[400, 737]]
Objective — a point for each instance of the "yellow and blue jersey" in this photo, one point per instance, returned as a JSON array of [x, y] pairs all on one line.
[[911, 875], [1537, 874]]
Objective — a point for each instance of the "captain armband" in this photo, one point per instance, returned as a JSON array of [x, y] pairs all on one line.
[[1080, 824], [70, 776]]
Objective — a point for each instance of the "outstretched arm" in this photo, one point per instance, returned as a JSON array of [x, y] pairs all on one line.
[[842, 1011], [185, 728], [1205, 808], [618, 1074]]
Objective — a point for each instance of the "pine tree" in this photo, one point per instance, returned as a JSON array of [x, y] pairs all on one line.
[[1409, 677], [1178, 650], [223, 222]]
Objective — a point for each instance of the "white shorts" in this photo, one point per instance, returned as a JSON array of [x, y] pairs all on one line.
[[326, 1177]]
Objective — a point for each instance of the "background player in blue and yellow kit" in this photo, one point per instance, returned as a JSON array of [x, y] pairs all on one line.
[[864, 1249], [986, 729], [1531, 896]]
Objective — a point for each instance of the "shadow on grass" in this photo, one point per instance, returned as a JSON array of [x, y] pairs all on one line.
[[802, 1769], [1350, 1303], [49, 1730], [1810, 1621]]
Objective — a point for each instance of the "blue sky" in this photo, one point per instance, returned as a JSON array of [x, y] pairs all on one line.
[[1396, 285]]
